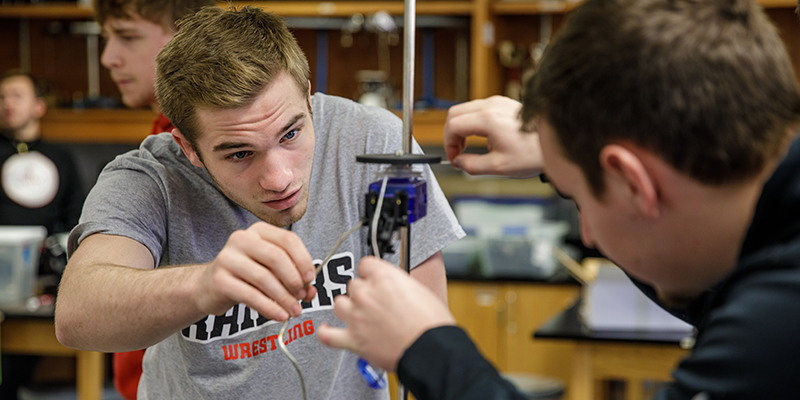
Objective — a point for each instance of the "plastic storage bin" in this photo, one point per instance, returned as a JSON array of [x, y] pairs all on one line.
[[19, 262], [523, 253], [461, 257]]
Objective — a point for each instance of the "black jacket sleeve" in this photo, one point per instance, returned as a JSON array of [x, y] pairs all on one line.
[[748, 346], [444, 364]]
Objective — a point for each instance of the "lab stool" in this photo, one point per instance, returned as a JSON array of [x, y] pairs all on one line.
[[536, 387]]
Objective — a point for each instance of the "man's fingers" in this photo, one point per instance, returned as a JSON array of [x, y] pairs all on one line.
[[343, 308], [477, 164], [291, 244], [260, 278], [370, 265], [339, 338], [241, 292]]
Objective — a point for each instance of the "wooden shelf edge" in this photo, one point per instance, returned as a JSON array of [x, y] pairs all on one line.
[[345, 8], [777, 3], [348, 8], [287, 9], [534, 7], [527, 7], [97, 126], [46, 11], [132, 126]]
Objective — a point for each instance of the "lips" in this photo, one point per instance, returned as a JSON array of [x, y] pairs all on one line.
[[285, 202]]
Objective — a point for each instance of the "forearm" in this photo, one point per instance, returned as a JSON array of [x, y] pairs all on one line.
[[117, 308], [431, 273]]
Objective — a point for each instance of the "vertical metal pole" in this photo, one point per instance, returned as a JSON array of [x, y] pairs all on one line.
[[24, 45], [405, 248], [93, 65], [409, 26]]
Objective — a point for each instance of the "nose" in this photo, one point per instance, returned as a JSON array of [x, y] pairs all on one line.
[[586, 233], [276, 173], [110, 57]]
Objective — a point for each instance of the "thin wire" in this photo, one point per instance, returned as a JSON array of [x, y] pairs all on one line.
[[317, 270], [376, 217]]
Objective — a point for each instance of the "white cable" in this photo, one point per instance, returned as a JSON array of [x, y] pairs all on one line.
[[281, 344], [374, 227]]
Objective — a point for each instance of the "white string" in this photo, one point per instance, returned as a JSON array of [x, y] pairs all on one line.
[[281, 344], [376, 217]]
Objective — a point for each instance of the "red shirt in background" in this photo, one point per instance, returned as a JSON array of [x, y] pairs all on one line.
[[128, 365]]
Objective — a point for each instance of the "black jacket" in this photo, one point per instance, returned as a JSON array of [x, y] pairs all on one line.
[[61, 214], [748, 342]]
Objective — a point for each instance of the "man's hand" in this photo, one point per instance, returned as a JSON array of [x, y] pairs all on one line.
[[512, 153], [264, 267], [386, 311]]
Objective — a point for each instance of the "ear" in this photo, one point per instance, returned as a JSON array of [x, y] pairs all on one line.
[[628, 173], [39, 108], [188, 149], [310, 106]]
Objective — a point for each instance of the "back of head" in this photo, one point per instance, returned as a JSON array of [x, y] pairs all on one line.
[[705, 84], [224, 59], [162, 12]]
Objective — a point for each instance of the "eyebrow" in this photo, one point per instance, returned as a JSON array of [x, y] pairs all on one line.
[[239, 145], [119, 32]]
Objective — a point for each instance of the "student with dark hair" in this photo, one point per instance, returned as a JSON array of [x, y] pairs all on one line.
[[672, 125]]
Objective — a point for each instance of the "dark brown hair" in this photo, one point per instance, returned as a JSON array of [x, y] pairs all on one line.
[[162, 12], [40, 87], [705, 84], [224, 59]]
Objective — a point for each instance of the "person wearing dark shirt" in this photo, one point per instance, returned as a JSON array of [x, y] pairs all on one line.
[[672, 125], [40, 185]]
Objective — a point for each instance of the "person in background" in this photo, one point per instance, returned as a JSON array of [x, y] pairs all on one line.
[[40, 185], [134, 33], [199, 244], [672, 124], [54, 199]]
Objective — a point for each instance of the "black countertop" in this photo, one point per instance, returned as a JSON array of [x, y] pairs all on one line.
[[569, 325]]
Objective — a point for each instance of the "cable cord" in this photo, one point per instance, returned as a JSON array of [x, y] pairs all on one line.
[[286, 323], [376, 216]]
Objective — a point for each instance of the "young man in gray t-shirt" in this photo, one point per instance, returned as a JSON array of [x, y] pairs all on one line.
[[201, 242]]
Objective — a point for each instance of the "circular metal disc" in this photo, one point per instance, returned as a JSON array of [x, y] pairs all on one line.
[[393, 159]]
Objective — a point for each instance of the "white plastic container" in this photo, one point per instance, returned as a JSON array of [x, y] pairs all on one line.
[[525, 253], [461, 257], [19, 262], [613, 303]]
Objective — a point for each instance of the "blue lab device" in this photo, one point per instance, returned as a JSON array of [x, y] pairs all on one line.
[[376, 379], [417, 190]]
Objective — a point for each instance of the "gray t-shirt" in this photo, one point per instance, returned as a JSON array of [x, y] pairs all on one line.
[[155, 196]]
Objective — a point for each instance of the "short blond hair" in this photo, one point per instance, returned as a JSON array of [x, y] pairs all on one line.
[[223, 59]]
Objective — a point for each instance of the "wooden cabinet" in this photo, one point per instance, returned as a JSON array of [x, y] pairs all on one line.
[[501, 318]]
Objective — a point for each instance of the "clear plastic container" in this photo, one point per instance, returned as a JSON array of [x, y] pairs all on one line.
[[19, 262], [522, 252], [461, 257]]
